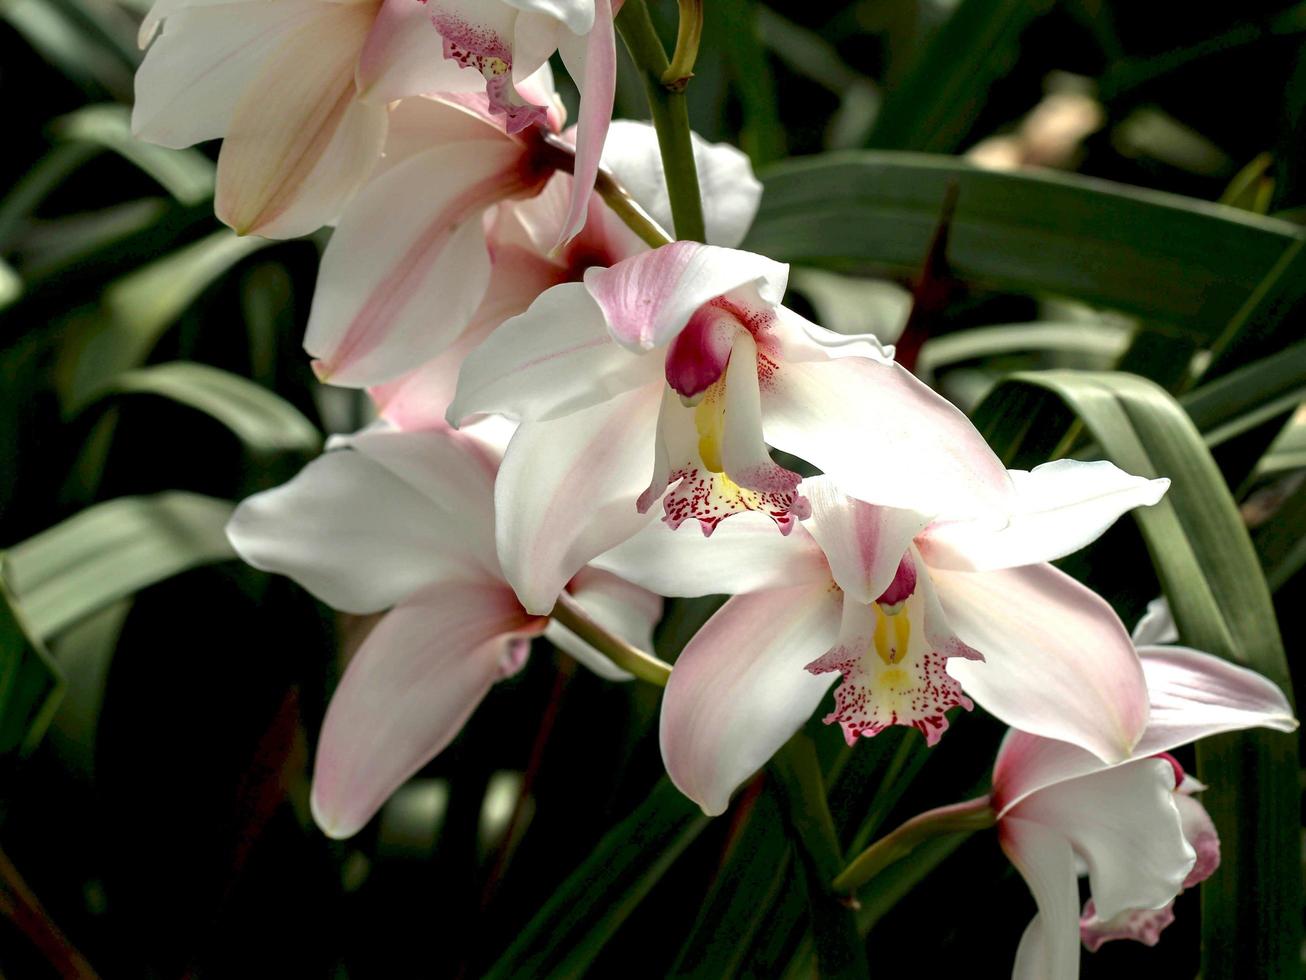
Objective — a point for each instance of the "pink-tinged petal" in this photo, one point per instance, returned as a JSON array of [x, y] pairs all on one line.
[[551, 361], [299, 145], [1059, 507], [913, 449], [739, 690], [1141, 925], [625, 609], [408, 265], [403, 57], [1058, 661], [648, 298], [1049, 948], [478, 34], [423, 123], [537, 223], [730, 191], [1199, 831], [592, 63], [743, 555], [566, 492], [350, 531], [865, 544], [892, 675], [408, 691], [196, 72], [1124, 825], [1195, 695], [421, 398], [1157, 625]]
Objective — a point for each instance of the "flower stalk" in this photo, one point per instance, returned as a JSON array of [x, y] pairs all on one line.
[[959, 818], [629, 658], [670, 114], [688, 36]]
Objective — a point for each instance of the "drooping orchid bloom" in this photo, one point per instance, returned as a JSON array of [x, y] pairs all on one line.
[[402, 522], [665, 377], [914, 613], [1135, 824], [508, 40], [297, 89], [413, 271]]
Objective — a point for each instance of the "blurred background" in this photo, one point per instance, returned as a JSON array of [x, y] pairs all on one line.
[[153, 802]]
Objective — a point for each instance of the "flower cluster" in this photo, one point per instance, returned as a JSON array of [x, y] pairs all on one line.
[[572, 417]]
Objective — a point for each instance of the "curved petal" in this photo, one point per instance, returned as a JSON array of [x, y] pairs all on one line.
[[408, 691], [348, 530], [1058, 661], [739, 690], [403, 56], [566, 492], [578, 15], [731, 193], [551, 361], [648, 298], [1124, 824], [197, 70], [407, 266], [1193, 695], [744, 554], [1050, 946], [863, 543], [299, 145], [591, 61], [882, 435], [625, 609], [1157, 625], [1058, 508]]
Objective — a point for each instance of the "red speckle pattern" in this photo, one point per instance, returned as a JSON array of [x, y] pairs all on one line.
[[1141, 925], [486, 51], [708, 498], [915, 691]]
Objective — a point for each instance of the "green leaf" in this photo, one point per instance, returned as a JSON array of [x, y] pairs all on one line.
[[30, 683], [91, 64], [568, 933], [733, 25], [1236, 402], [187, 175], [936, 104], [11, 286], [36, 185], [111, 550], [264, 422], [141, 305], [1098, 342], [1209, 571], [1165, 257]]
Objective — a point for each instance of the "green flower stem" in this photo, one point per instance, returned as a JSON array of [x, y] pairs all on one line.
[[633, 660], [670, 118], [690, 33], [618, 199], [959, 818]]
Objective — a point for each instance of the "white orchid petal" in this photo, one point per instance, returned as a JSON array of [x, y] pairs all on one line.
[[1058, 661], [403, 56], [1058, 508], [739, 690], [578, 15], [551, 361], [863, 543], [1050, 946], [566, 492], [591, 61], [1124, 824], [647, 299], [408, 691]]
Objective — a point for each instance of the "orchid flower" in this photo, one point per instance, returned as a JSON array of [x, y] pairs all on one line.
[[298, 89], [413, 271], [508, 40], [915, 613], [1135, 824], [665, 377], [402, 522]]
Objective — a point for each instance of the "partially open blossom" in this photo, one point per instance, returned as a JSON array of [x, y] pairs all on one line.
[[666, 377], [913, 612], [508, 40], [297, 89], [402, 523], [1135, 825]]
